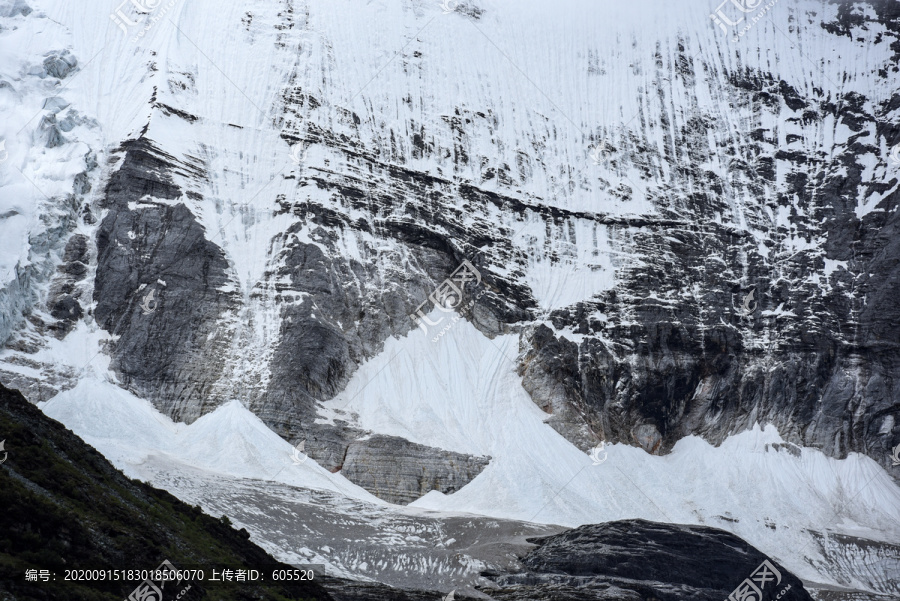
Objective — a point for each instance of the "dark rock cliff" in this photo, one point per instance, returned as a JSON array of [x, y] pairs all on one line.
[[399, 471], [635, 560]]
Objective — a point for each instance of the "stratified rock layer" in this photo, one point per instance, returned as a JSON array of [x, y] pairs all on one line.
[[400, 471]]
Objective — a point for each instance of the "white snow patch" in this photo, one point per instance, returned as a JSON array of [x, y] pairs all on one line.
[[831, 265], [231, 440], [464, 395]]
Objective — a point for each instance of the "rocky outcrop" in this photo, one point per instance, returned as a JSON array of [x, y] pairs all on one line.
[[347, 590], [399, 471], [64, 295], [673, 349], [634, 560], [161, 286]]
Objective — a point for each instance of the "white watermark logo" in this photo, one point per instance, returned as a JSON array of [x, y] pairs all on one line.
[[730, 17], [131, 13], [151, 588], [448, 297], [142, 8], [449, 6], [601, 152], [595, 453], [751, 589], [895, 458], [3, 442], [597, 155], [746, 308], [298, 454], [150, 303], [3, 154], [298, 154], [895, 154]]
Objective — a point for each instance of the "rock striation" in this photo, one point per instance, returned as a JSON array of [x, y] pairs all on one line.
[[399, 471]]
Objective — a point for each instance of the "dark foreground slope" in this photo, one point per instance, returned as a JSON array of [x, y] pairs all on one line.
[[636, 560], [64, 506]]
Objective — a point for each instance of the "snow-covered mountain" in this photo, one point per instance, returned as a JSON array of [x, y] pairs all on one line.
[[671, 229]]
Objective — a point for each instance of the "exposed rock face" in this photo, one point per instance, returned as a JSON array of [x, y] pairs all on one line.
[[399, 471], [64, 294], [636, 560], [161, 286], [817, 355], [736, 187]]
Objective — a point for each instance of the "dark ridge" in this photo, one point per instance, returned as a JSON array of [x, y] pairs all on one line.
[[637, 559]]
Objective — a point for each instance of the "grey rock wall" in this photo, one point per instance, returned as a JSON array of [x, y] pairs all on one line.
[[399, 471], [159, 285]]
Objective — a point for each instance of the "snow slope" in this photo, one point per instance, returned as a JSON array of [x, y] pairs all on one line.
[[462, 394], [231, 440], [465, 397]]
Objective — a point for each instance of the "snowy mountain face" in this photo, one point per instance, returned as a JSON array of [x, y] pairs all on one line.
[[636, 223], [617, 226]]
